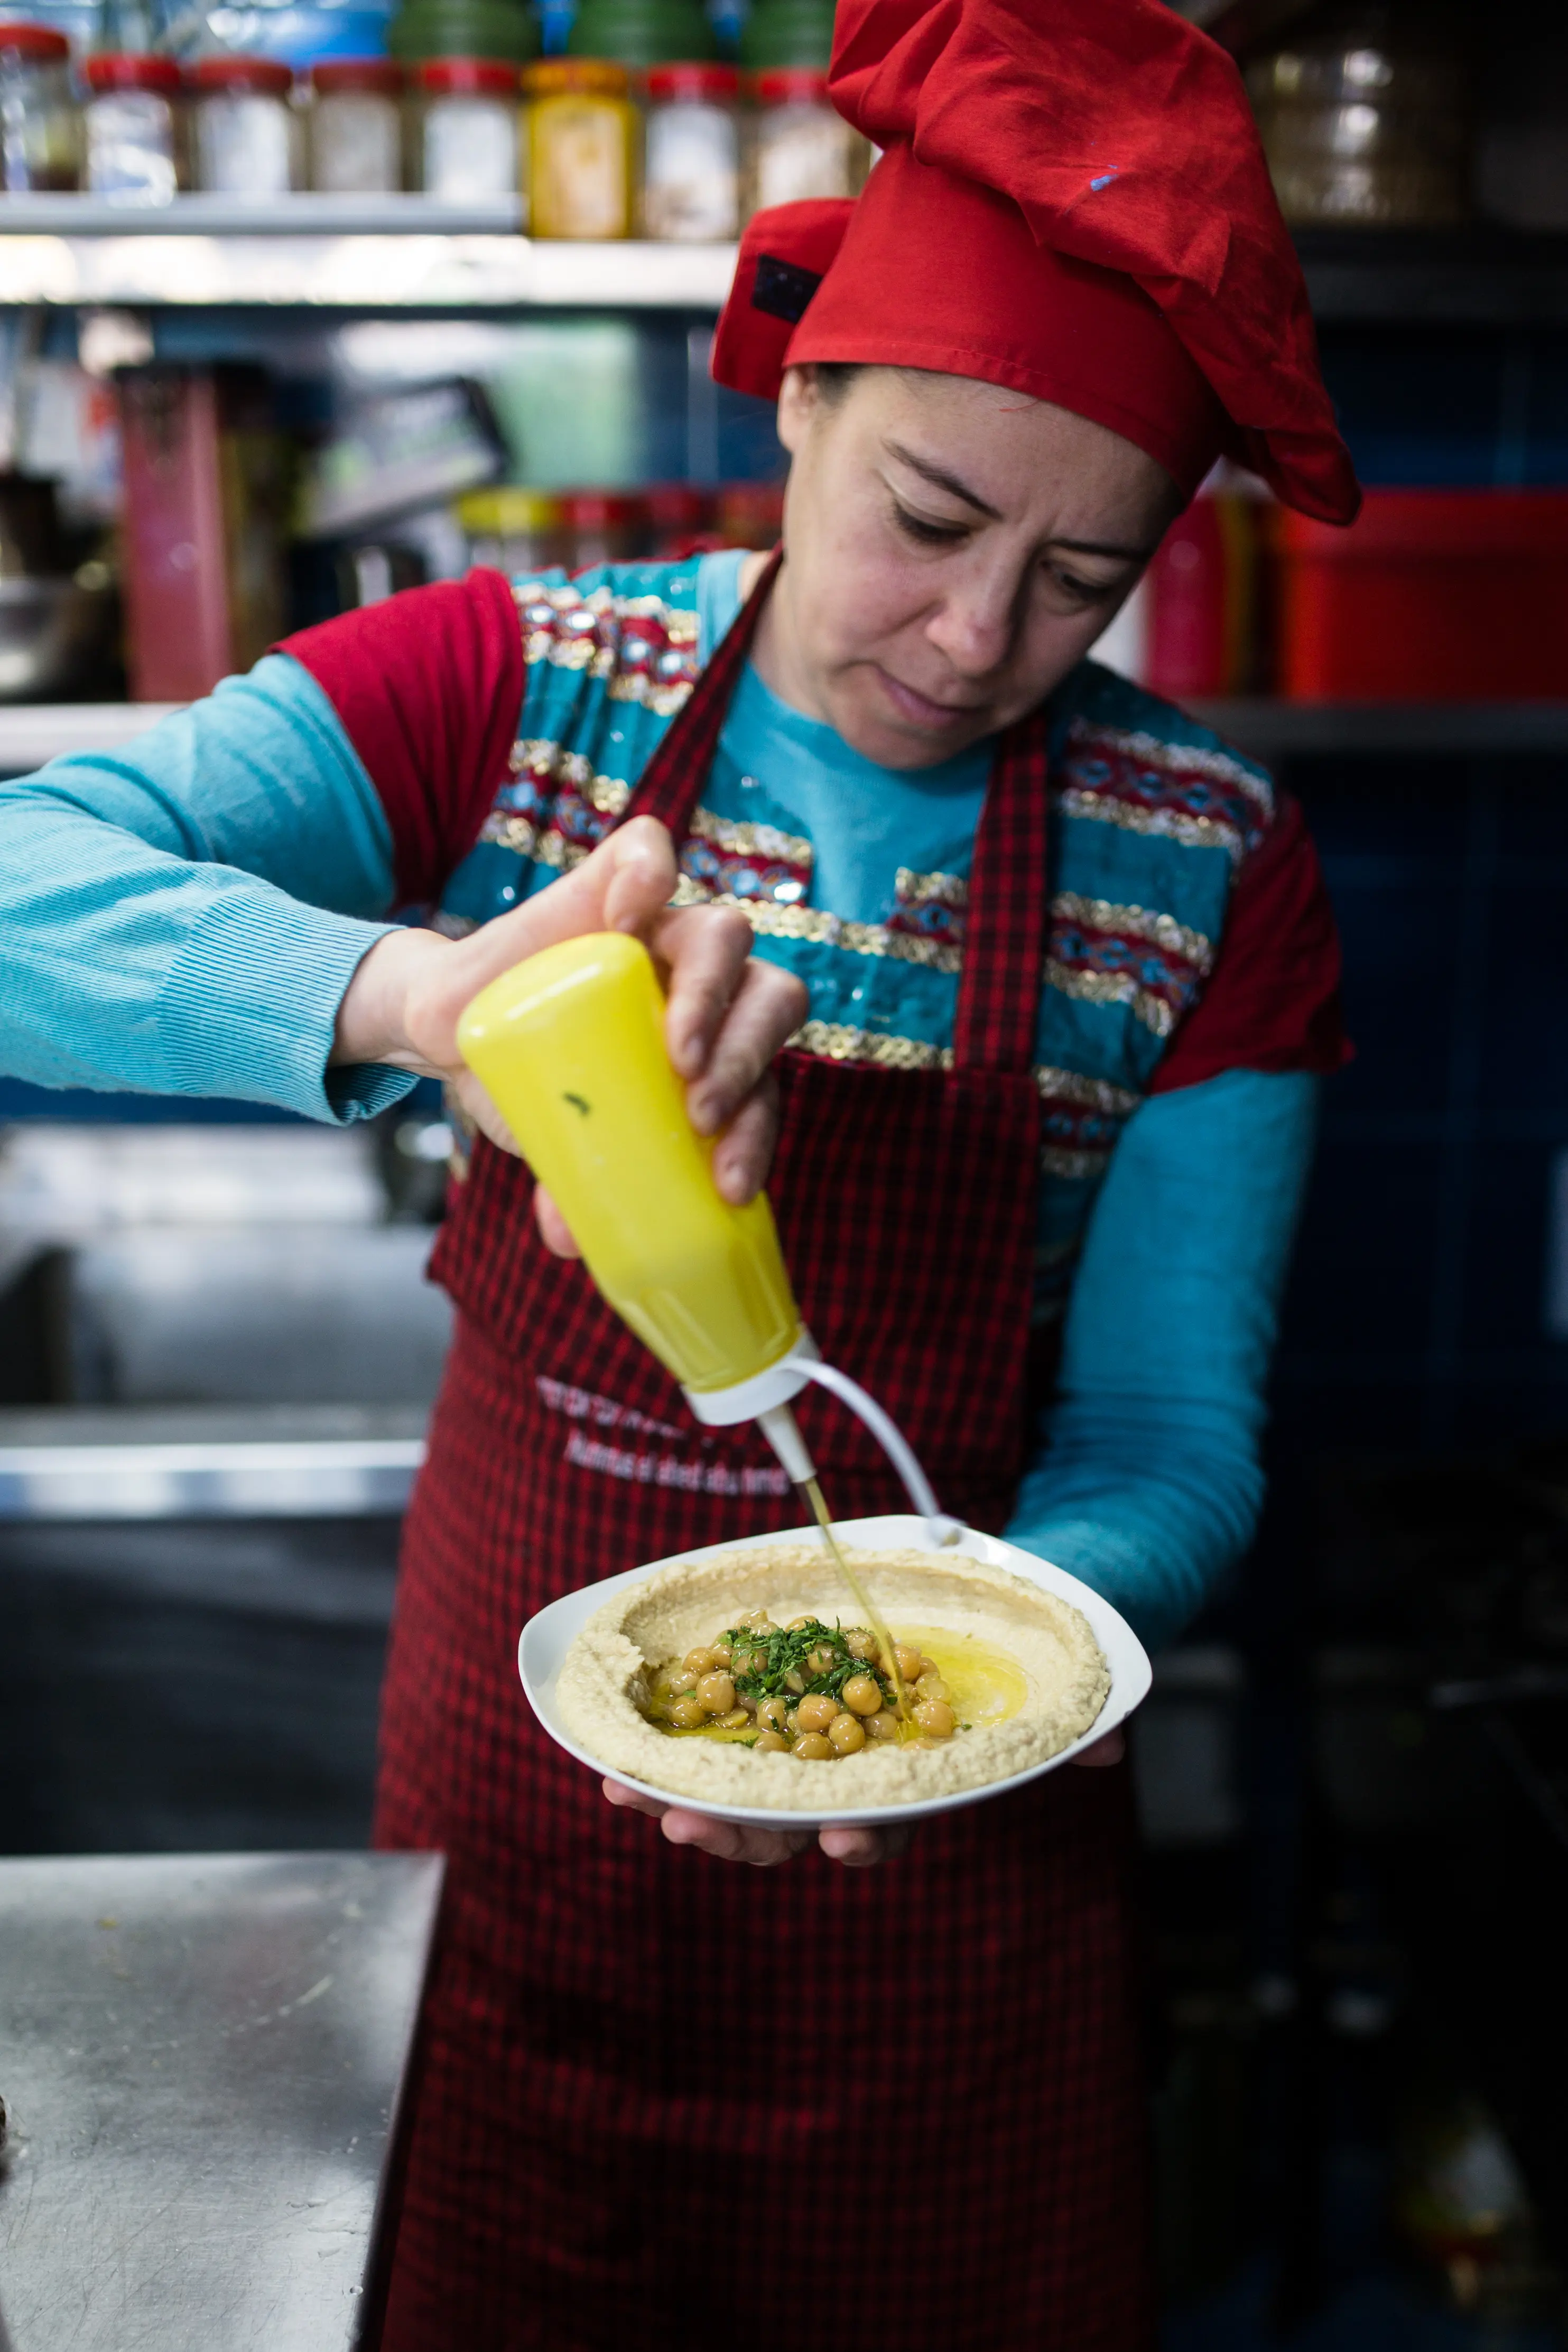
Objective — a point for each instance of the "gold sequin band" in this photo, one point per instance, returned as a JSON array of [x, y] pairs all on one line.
[[1192, 831], [831, 1042], [1112, 988], [738, 840], [1093, 1094], [1078, 1166], [820, 929], [928, 889], [1136, 923]]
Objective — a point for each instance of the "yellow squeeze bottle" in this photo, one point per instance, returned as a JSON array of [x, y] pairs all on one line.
[[569, 1045]]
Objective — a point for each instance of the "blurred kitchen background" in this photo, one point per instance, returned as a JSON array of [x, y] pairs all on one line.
[[261, 361]]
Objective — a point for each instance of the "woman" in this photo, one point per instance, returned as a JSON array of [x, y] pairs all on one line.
[[1043, 1132]]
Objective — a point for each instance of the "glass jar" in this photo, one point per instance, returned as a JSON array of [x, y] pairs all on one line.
[[749, 514], [466, 127], [680, 521], [512, 529], [800, 145], [582, 148], [641, 32], [1364, 120], [690, 154], [247, 133], [356, 126], [601, 527], [40, 124], [135, 128]]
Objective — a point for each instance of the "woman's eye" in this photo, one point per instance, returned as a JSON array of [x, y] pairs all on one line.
[[925, 533], [1082, 592]]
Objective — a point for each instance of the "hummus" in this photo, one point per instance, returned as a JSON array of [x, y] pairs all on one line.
[[1055, 1684]]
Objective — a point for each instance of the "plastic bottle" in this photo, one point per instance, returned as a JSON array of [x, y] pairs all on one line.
[[571, 1048]]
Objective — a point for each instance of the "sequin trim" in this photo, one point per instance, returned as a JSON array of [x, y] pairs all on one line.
[[1178, 760], [643, 650], [920, 889], [751, 840], [1136, 923], [831, 1041], [1204, 799], [1112, 988], [1094, 1094], [771, 919], [1077, 1167]]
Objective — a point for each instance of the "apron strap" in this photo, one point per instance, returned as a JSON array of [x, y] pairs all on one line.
[[671, 784], [999, 995], [1004, 944]]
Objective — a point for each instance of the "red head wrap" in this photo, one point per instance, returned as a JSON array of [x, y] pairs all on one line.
[[1072, 202]]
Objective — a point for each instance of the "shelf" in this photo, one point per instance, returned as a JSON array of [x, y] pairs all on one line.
[[32, 733], [1476, 277], [1283, 730], [209, 1462], [346, 253]]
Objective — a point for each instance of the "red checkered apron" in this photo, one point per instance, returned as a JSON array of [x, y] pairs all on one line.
[[668, 2098]]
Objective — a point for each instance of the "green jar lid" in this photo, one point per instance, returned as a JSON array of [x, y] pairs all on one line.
[[504, 29], [788, 33], [643, 32]]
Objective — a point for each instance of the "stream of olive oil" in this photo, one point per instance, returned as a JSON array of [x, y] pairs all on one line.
[[813, 1495]]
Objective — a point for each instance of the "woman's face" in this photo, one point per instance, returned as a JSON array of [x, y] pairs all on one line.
[[954, 549]]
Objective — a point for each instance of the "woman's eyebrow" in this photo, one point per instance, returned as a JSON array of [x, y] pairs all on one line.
[[1100, 547], [941, 479]]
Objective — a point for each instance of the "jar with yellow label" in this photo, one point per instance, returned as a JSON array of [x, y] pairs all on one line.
[[582, 148]]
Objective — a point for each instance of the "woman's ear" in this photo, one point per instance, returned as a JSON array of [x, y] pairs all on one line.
[[799, 397]]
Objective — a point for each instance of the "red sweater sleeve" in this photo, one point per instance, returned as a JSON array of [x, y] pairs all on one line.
[[429, 686], [1272, 1002]]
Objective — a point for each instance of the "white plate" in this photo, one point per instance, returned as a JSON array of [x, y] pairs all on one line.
[[547, 1638]]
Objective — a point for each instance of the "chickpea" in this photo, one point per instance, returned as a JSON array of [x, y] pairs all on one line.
[[797, 1624], [883, 1725], [759, 1623], [771, 1714], [936, 1718], [928, 1666], [795, 1681], [860, 1645], [812, 1748], [931, 1687], [862, 1694], [815, 1713], [720, 1652], [699, 1662], [846, 1734], [684, 1680], [772, 1743], [689, 1713], [820, 1661], [716, 1693], [909, 1661]]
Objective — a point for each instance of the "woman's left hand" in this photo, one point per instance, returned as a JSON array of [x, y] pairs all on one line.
[[740, 1841]]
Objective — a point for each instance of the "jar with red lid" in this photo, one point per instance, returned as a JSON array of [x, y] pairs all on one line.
[[40, 123], [601, 527], [134, 125], [749, 514], [466, 125], [690, 154], [680, 521], [355, 135], [247, 137], [800, 146]]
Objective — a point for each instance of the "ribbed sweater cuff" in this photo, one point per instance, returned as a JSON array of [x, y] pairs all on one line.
[[248, 1009]]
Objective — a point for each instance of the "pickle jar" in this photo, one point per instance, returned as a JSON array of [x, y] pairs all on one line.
[[601, 527], [690, 154], [800, 145], [247, 135], [582, 148], [40, 123], [513, 529], [356, 126], [134, 128], [467, 122]]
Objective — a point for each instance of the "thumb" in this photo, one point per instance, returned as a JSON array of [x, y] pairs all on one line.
[[622, 885]]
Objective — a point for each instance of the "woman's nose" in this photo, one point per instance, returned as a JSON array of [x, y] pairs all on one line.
[[974, 627]]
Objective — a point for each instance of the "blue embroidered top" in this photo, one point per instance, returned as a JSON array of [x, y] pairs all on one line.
[[185, 916]]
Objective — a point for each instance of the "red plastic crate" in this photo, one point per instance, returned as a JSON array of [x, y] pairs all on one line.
[[1430, 596]]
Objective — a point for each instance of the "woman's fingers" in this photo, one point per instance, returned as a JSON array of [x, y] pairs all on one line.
[[766, 1007], [744, 1152], [702, 953], [554, 1231], [1109, 1750], [726, 1841], [863, 1849]]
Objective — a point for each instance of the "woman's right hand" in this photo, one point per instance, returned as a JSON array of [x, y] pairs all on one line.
[[728, 1013]]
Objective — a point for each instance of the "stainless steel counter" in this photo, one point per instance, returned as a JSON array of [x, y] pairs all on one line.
[[204, 2058]]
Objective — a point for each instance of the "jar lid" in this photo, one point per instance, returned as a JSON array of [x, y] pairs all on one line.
[[380, 77], [678, 506], [467, 76], [586, 77], [787, 85], [35, 41], [509, 507], [586, 509], [721, 83], [122, 69], [264, 75]]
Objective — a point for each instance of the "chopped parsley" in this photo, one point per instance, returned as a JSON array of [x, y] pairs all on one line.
[[762, 1664]]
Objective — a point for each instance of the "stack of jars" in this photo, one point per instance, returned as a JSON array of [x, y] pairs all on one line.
[[596, 149], [522, 531]]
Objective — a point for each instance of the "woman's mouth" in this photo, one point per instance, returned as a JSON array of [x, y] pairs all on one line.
[[918, 710]]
